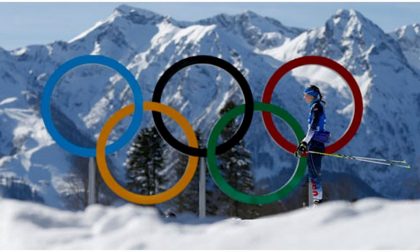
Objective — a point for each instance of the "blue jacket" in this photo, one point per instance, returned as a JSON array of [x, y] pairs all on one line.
[[316, 120]]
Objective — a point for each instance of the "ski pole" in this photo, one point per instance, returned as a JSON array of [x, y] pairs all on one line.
[[397, 163], [388, 163], [382, 160], [357, 157], [369, 160], [383, 163], [374, 161]]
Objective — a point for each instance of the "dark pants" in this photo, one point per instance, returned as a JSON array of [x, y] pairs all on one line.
[[314, 169]]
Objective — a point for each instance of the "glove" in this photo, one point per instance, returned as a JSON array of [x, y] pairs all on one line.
[[301, 149]]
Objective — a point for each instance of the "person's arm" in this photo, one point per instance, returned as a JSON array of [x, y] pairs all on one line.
[[316, 115]]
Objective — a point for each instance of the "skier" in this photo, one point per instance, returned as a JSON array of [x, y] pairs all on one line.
[[315, 140]]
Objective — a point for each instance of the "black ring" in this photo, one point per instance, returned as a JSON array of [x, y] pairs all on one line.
[[236, 74]]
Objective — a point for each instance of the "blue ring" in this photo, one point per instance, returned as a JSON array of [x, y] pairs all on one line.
[[91, 59]]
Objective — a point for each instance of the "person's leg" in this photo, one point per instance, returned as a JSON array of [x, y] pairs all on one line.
[[314, 172]]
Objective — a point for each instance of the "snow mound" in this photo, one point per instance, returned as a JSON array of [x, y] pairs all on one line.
[[367, 224]]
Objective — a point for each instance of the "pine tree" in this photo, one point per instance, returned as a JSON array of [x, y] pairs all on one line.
[[188, 200], [236, 168], [145, 164]]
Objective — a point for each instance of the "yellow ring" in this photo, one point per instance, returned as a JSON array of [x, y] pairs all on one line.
[[123, 192]]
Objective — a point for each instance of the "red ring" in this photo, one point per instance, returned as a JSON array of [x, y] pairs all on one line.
[[314, 60]]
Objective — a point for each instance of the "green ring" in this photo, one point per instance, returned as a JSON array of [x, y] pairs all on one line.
[[224, 186]]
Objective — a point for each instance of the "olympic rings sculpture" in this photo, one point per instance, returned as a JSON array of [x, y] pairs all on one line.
[[192, 149]]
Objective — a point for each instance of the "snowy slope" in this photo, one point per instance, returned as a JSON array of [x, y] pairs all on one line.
[[368, 224], [409, 38], [148, 43], [260, 33]]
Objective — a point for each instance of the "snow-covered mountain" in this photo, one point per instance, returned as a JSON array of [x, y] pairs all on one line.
[[409, 38], [389, 85], [260, 33], [148, 43]]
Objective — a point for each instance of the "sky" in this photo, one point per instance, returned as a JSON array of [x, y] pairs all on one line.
[[23, 24]]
